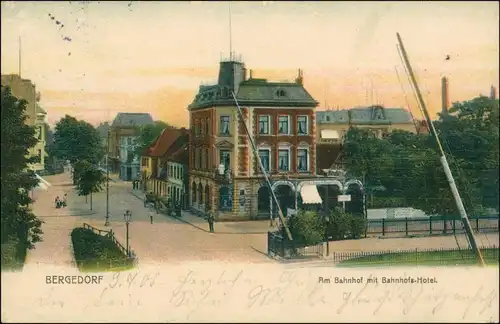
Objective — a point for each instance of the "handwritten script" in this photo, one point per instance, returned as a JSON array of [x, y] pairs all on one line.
[[194, 294]]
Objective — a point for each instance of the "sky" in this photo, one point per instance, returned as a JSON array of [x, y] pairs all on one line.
[[95, 59]]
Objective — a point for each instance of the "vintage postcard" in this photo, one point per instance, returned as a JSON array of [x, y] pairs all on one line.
[[267, 161]]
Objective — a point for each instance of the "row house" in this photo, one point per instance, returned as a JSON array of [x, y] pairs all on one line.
[[124, 132], [164, 165], [224, 174]]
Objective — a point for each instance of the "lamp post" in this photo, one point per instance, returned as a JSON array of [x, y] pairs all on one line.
[[128, 217], [327, 218]]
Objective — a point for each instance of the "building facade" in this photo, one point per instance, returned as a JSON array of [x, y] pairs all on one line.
[[224, 175], [124, 132], [25, 89], [164, 165], [332, 126]]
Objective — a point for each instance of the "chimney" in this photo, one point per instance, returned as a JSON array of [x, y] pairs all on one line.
[[300, 79], [444, 95], [250, 74], [493, 93]]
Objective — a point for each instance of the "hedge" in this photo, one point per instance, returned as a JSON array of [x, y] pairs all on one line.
[[94, 252], [13, 255]]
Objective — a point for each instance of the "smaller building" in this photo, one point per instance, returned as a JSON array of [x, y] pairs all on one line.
[[164, 165], [124, 132], [177, 174], [332, 127]]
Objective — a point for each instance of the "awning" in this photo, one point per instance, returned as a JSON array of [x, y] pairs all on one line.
[[310, 195], [329, 134]]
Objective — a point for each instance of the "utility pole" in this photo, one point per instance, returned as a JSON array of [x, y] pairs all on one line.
[[106, 223], [256, 154], [444, 161]]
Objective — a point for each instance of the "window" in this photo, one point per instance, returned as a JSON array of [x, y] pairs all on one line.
[[207, 127], [264, 125], [284, 159], [302, 160], [207, 163], [202, 131], [225, 159], [264, 155], [224, 125], [283, 128], [302, 125]]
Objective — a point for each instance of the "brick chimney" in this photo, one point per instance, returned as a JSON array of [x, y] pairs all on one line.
[[444, 95], [300, 78]]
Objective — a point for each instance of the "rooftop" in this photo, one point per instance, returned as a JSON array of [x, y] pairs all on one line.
[[251, 91], [164, 142], [365, 115], [132, 119]]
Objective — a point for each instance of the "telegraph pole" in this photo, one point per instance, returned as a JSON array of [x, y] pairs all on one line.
[[444, 161], [106, 223]]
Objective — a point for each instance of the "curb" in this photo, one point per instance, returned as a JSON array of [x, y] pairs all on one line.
[[198, 227]]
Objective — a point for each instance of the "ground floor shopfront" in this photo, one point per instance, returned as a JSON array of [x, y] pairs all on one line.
[[165, 188], [251, 198]]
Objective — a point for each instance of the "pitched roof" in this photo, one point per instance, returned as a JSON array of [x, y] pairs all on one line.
[[365, 115], [164, 143], [181, 155], [132, 119]]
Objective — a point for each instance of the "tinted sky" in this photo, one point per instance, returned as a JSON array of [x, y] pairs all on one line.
[[152, 56]]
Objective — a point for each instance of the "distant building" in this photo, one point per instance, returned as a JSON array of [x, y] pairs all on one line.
[[123, 135], [332, 126], [223, 175], [25, 89]]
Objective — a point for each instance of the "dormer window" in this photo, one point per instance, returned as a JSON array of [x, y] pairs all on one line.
[[280, 93]]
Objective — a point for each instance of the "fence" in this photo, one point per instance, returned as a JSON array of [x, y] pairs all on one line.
[[431, 225], [279, 245], [437, 256], [111, 235]]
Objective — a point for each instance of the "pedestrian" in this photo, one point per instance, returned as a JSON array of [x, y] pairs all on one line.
[[151, 214], [133, 185], [210, 219], [56, 201], [65, 200]]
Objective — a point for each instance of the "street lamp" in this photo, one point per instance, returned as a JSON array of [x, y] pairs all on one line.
[[106, 223], [128, 217]]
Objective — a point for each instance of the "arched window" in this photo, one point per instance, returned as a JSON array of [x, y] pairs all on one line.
[[193, 196], [207, 197], [200, 192]]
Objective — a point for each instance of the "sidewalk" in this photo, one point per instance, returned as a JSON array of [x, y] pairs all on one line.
[[244, 227]]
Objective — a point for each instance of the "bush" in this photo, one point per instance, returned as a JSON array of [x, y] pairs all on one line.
[[13, 254], [345, 226], [307, 228], [95, 252]]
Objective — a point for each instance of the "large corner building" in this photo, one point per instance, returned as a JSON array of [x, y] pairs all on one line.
[[224, 176]]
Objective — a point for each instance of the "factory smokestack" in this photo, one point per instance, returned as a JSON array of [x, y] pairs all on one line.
[[444, 96], [493, 93]]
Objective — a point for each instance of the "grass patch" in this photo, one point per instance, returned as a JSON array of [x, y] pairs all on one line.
[[13, 255], [422, 258], [97, 253]]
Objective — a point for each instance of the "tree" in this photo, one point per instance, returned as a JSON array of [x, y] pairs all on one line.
[[90, 179], [148, 134], [307, 227], [76, 140], [17, 220]]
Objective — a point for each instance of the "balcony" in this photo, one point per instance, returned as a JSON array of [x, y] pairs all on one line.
[[223, 176]]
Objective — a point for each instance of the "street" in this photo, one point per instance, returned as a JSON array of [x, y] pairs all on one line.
[[166, 240]]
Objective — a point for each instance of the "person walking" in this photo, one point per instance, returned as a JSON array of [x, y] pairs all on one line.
[[56, 201], [151, 211], [65, 200], [210, 219]]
